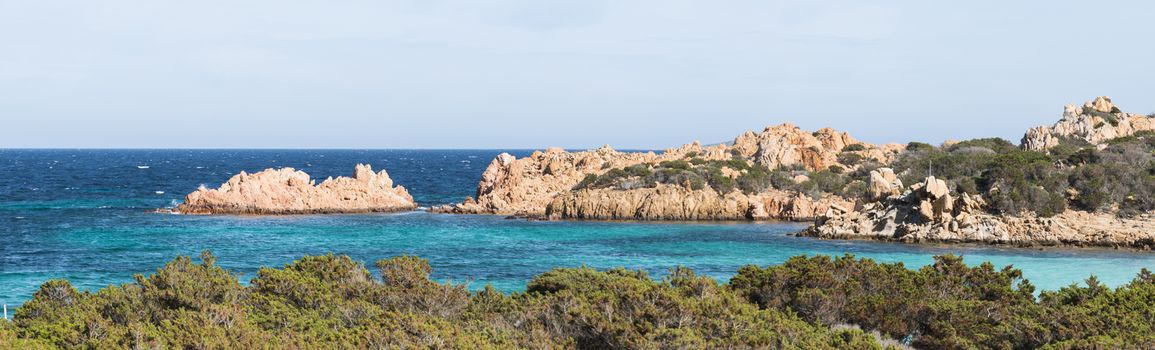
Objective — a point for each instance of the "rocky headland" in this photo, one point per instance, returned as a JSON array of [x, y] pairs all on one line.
[[289, 191], [1086, 180], [691, 182]]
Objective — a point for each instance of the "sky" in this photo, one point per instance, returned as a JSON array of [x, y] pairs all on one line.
[[570, 73]]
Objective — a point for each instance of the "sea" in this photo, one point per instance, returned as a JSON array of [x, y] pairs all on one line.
[[88, 216]]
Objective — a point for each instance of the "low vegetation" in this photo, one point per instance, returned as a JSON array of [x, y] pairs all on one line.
[[695, 173], [726, 176], [806, 303]]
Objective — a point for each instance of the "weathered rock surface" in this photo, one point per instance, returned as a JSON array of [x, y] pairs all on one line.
[[511, 186], [788, 145], [527, 186], [925, 213], [672, 202], [290, 191], [883, 183], [1096, 122]]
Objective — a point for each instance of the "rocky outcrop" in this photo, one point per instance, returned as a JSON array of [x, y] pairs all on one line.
[[673, 202], [788, 145], [1096, 122], [511, 186], [290, 191], [928, 212], [527, 186]]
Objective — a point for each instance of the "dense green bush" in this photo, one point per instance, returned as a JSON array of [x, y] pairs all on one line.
[[1025, 181], [805, 303], [919, 147], [998, 145], [948, 305], [333, 302], [850, 158], [854, 147], [697, 172]]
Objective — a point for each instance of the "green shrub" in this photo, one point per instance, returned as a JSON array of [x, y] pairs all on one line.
[[919, 147], [637, 170], [333, 302], [850, 158], [854, 147], [739, 164], [949, 305], [998, 145], [675, 164]]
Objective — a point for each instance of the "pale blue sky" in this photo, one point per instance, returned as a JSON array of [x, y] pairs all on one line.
[[571, 73]]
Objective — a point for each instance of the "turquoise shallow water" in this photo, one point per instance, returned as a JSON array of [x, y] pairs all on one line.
[[88, 221]]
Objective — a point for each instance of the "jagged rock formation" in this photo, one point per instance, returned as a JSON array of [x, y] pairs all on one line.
[[290, 191], [927, 212], [883, 183], [527, 186], [511, 186], [787, 145], [1096, 122], [673, 202]]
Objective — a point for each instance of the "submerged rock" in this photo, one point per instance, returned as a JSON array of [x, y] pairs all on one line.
[[290, 191]]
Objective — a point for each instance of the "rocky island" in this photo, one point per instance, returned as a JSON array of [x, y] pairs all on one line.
[[290, 191]]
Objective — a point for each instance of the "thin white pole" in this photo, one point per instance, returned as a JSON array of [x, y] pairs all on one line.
[[5, 312]]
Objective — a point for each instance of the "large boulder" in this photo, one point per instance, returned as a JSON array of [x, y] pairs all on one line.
[[935, 188], [883, 183]]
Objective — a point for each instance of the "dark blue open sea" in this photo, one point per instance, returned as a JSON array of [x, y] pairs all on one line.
[[86, 215]]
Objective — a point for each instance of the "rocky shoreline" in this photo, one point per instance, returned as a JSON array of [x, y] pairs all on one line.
[[928, 212], [288, 191]]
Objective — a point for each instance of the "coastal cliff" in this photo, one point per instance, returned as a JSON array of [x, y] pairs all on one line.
[[555, 183], [930, 212], [676, 202], [289, 191]]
